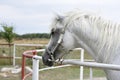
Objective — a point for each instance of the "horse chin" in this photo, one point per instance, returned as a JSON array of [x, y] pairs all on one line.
[[50, 63], [46, 61]]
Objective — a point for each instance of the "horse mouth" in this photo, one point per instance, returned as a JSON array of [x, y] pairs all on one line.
[[47, 62]]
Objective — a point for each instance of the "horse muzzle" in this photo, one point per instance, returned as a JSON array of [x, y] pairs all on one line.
[[47, 59]]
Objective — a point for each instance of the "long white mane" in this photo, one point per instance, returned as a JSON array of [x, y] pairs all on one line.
[[106, 33]]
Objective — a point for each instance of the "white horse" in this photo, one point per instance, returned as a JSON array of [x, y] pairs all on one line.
[[99, 37]]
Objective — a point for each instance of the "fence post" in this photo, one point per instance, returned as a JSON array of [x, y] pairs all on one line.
[[23, 67], [91, 73], [81, 67], [35, 75], [14, 55]]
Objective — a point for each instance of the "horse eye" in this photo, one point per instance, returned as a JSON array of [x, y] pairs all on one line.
[[52, 33]]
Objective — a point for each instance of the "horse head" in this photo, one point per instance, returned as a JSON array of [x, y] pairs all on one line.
[[61, 41]]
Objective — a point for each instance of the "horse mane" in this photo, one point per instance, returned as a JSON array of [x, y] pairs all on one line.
[[109, 38]]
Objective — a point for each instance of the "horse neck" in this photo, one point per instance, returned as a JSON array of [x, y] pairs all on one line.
[[84, 39], [106, 39], [89, 37]]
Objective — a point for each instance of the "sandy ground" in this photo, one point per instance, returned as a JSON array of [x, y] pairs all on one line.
[[100, 78]]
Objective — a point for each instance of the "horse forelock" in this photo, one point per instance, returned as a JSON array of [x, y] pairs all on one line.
[[67, 18], [57, 19]]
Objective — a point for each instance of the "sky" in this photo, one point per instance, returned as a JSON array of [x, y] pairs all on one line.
[[35, 16]]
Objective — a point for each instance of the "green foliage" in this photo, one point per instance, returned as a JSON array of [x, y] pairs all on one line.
[[1, 34], [8, 33], [33, 35], [29, 35]]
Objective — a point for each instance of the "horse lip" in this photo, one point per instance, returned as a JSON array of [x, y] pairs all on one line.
[[47, 62]]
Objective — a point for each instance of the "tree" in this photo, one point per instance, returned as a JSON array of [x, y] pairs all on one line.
[[0, 34], [8, 35]]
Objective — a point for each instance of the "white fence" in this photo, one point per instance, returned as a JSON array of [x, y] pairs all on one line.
[[67, 62], [72, 62], [14, 51], [36, 62]]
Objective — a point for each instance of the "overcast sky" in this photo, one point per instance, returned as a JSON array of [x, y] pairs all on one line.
[[34, 16]]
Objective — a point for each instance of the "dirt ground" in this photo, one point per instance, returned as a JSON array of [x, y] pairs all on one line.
[[100, 78], [9, 76]]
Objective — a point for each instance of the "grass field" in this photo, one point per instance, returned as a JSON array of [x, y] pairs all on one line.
[[4, 49], [68, 73]]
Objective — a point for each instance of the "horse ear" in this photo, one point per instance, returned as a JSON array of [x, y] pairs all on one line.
[[86, 16], [59, 18]]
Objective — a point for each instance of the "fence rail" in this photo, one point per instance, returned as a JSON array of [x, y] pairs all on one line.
[[33, 54], [14, 51], [92, 64], [66, 62]]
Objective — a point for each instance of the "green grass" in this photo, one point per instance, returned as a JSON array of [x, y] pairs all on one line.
[[4, 50], [68, 73]]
